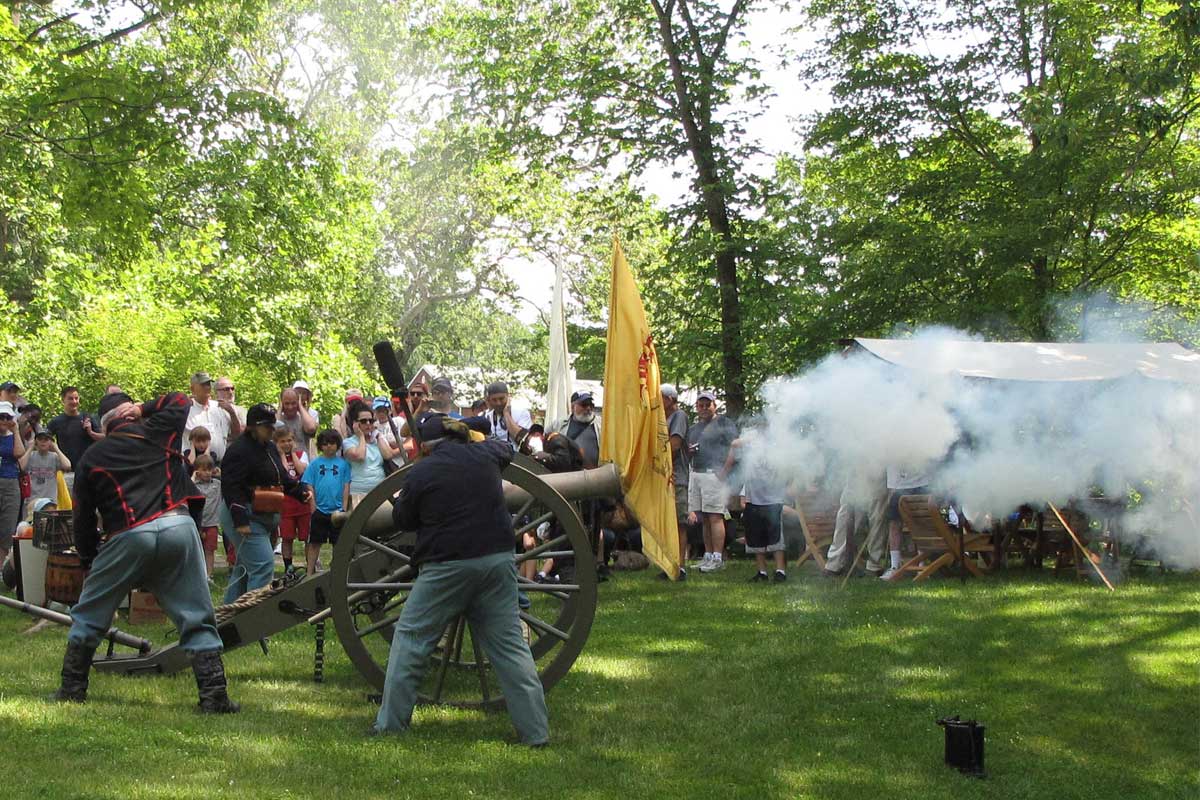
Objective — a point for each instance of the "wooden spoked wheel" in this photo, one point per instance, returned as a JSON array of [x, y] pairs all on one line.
[[372, 578]]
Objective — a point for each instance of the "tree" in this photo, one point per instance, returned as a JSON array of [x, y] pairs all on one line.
[[985, 160], [584, 85]]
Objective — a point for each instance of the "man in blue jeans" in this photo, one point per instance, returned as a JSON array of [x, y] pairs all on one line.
[[137, 480], [454, 499]]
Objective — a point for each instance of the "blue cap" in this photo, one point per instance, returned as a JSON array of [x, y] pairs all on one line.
[[380, 402]]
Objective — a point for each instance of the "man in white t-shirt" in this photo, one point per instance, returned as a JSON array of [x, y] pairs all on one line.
[[218, 417], [506, 421]]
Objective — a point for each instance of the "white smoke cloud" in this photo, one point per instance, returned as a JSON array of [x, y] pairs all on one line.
[[995, 445]]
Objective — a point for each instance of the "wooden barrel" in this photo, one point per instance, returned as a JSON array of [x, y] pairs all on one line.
[[64, 577]]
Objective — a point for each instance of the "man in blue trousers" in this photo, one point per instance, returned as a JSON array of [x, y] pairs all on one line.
[[136, 479], [454, 499]]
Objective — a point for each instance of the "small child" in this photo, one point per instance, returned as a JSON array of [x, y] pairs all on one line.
[[201, 441], [296, 516], [43, 463], [763, 495], [210, 519], [329, 478]]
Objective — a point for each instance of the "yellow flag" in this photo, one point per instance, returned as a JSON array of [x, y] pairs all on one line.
[[64, 494], [634, 435]]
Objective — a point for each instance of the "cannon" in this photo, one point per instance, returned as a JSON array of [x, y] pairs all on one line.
[[371, 577]]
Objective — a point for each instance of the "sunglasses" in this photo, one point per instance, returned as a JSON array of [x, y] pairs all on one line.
[[417, 394], [367, 420], [6, 417]]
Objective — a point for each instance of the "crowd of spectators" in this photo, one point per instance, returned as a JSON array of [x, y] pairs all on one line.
[[337, 464]]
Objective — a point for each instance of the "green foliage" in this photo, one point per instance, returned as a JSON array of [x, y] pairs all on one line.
[[984, 161]]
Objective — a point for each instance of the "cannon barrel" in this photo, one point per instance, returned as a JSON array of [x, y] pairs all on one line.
[[114, 635], [588, 484]]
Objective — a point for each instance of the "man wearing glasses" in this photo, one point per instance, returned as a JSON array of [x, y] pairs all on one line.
[[227, 393]]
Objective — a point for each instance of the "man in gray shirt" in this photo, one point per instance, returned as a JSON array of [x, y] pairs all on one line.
[[583, 428], [677, 429], [708, 449]]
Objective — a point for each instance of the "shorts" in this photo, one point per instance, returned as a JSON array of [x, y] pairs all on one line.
[[764, 528], [706, 493], [322, 530], [681, 503], [208, 538], [893, 509], [294, 526]]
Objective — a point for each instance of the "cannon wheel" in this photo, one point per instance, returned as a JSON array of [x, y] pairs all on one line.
[[372, 577]]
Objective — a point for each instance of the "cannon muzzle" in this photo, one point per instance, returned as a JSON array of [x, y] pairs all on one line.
[[589, 484]]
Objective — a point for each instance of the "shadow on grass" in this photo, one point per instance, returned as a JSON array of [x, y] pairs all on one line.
[[706, 689]]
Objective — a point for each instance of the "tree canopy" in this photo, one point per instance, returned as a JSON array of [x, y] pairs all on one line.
[[265, 189]]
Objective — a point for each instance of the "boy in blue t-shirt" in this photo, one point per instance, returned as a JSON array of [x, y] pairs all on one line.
[[329, 476]]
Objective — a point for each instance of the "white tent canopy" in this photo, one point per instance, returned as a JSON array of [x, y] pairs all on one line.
[[1040, 361]]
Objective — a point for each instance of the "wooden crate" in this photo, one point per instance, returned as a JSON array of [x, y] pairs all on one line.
[[144, 608]]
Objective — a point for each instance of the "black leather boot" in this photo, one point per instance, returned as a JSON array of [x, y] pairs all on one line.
[[76, 664], [210, 683]]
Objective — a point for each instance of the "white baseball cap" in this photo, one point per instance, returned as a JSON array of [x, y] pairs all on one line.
[[301, 385], [7, 408]]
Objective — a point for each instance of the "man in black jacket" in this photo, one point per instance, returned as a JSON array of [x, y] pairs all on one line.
[[253, 462], [454, 499], [137, 481]]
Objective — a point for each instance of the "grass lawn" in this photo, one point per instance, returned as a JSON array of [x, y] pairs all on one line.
[[712, 688]]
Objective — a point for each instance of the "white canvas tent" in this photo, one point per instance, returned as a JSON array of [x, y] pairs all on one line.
[[1039, 361]]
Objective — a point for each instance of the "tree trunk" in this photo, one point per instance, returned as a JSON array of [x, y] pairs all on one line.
[[1042, 290], [695, 113]]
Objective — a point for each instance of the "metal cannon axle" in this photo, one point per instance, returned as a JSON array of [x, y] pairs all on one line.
[[588, 484]]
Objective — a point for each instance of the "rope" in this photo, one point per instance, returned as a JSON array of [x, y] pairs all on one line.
[[255, 596]]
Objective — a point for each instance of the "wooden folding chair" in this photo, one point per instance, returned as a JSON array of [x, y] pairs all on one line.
[[1053, 539], [817, 514], [936, 543]]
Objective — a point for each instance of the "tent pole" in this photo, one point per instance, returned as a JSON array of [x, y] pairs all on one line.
[[1083, 551]]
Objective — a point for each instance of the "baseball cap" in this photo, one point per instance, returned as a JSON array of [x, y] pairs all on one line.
[[380, 402], [582, 397], [353, 394], [7, 408], [707, 395], [42, 435], [201, 377], [669, 390], [301, 385], [442, 385], [9, 386], [261, 414], [432, 427]]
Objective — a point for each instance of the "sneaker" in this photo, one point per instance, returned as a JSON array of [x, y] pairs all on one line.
[[707, 557], [759, 577], [780, 576], [290, 569], [714, 565], [889, 573]]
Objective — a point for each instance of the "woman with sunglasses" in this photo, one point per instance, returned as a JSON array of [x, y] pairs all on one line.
[[366, 451], [11, 449]]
